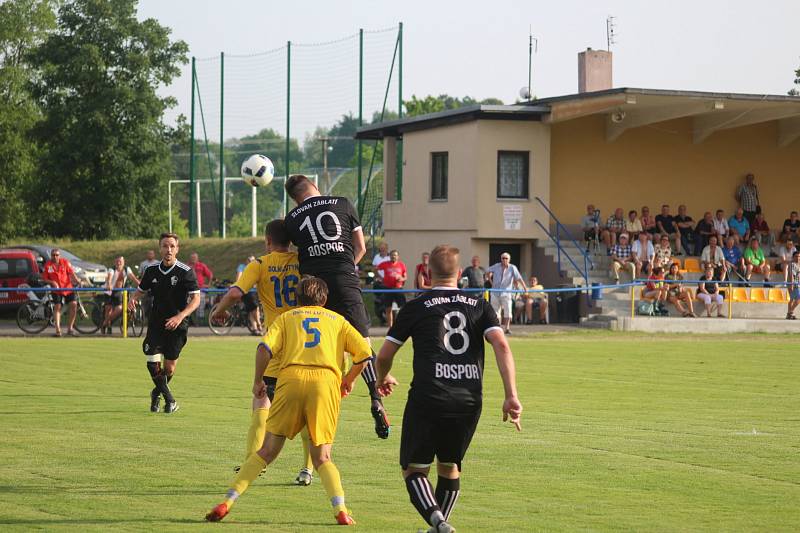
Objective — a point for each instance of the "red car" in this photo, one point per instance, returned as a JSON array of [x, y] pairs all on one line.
[[15, 267]]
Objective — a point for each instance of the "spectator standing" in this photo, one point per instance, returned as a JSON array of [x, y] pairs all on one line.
[[755, 261], [381, 257], [708, 292], [663, 252], [622, 258], [614, 226], [475, 274], [648, 222], [504, 275], [536, 299], [704, 231], [734, 262], [394, 277], [762, 231], [58, 273], [644, 252], [677, 294], [685, 225], [422, 273], [785, 254], [721, 226], [747, 195], [739, 227], [118, 277], [590, 225], [791, 227], [633, 226], [792, 278], [666, 226], [150, 260], [713, 257], [204, 277]]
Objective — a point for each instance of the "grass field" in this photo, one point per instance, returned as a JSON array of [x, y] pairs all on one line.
[[620, 432]]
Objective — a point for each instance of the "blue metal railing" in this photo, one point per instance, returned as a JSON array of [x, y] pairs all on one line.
[[588, 264]]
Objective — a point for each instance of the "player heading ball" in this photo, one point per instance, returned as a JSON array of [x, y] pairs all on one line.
[[444, 402]]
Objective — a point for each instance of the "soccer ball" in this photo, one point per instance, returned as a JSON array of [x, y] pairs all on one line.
[[258, 170]]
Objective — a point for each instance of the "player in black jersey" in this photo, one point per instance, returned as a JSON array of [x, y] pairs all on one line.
[[175, 294], [444, 402], [330, 243]]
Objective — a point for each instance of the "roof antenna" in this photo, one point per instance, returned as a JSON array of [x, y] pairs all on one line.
[[526, 93], [611, 33]]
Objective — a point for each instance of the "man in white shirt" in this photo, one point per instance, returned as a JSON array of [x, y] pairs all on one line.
[[504, 275], [380, 257], [150, 260], [643, 251], [721, 225]]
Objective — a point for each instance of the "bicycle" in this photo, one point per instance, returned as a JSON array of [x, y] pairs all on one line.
[[136, 318], [38, 313], [236, 315]]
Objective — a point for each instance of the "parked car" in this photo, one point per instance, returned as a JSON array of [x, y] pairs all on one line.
[[16, 265], [90, 272]]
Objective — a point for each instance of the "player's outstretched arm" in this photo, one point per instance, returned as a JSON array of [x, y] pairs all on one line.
[[233, 295], [512, 408], [133, 298], [386, 382], [263, 356]]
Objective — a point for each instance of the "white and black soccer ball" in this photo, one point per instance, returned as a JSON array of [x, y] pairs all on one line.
[[258, 170]]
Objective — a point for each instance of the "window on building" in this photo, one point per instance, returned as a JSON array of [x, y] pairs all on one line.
[[512, 174], [439, 176]]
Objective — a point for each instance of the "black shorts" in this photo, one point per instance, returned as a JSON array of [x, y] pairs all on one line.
[[113, 299], [393, 297], [60, 299], [427, 434], [163, 341], [344, 297], [271, 383], [250, 302]]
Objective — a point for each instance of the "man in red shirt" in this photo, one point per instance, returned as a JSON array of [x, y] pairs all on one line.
[[422, 274], [204, 276], [394, 276], [58, 273]]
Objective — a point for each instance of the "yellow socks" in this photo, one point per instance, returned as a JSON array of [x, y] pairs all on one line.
[[332, 482], [247, 474], [306, 454], [258, 428]]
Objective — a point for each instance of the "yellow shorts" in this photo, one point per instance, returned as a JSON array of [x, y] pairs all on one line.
[[306, 396]]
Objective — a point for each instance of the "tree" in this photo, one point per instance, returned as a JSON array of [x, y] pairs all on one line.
[[794, 91], [23, 26], [433, 104], [106, 156]]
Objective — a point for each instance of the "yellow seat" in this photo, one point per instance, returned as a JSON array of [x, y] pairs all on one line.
[[759, 296], [740, 294], [778, 296], [692, 264], [676, 261]]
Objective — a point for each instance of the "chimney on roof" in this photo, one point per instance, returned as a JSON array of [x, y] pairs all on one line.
[[594, 70]]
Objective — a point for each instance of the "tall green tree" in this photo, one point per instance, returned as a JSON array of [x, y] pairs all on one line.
[[107, 150], [24, 24], [443, 102]]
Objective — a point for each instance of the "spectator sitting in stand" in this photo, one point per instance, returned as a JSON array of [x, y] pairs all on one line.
[[734, 262], [713, 257], [643, 251], [739, 227], [677, 294], [791, 228], [656, 290], [590, 225], [380, 257], [394, 277], [685, 225], [536, 299], [704, 231], [747, 194], [615, 225], [791, 277], [721, 226], [648, 223], [204, 277], [622, 258], [666, 226], [633, 226], [785, 254], [422, 273], [766, 238], [755, 261], [708, 292], [663, 253]]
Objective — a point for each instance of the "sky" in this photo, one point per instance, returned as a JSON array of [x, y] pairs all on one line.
[[480, 49]]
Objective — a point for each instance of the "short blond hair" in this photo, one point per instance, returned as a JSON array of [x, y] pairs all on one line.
[[444, 261]]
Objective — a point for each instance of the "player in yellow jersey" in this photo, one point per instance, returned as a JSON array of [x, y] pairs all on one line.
[[309, 345], [275, 276]]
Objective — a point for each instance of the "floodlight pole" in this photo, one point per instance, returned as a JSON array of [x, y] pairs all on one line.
[[221, 145], [399, 194], [360, 113], [191, 156], [288, 114]]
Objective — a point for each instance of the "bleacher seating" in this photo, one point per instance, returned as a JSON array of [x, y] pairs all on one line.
[[778, 296], [692, 264], [758, 295]]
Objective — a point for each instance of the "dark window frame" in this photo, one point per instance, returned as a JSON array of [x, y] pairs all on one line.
[[526, 173], [444, 188]]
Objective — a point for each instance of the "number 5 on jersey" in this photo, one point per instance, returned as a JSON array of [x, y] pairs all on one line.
[[311, 330]]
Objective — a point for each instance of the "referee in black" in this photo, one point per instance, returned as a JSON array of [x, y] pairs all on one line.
[[175, 293], [447, 326], [330, 243]]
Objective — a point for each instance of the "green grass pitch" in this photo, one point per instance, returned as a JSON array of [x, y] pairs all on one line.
[[620, 432]]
